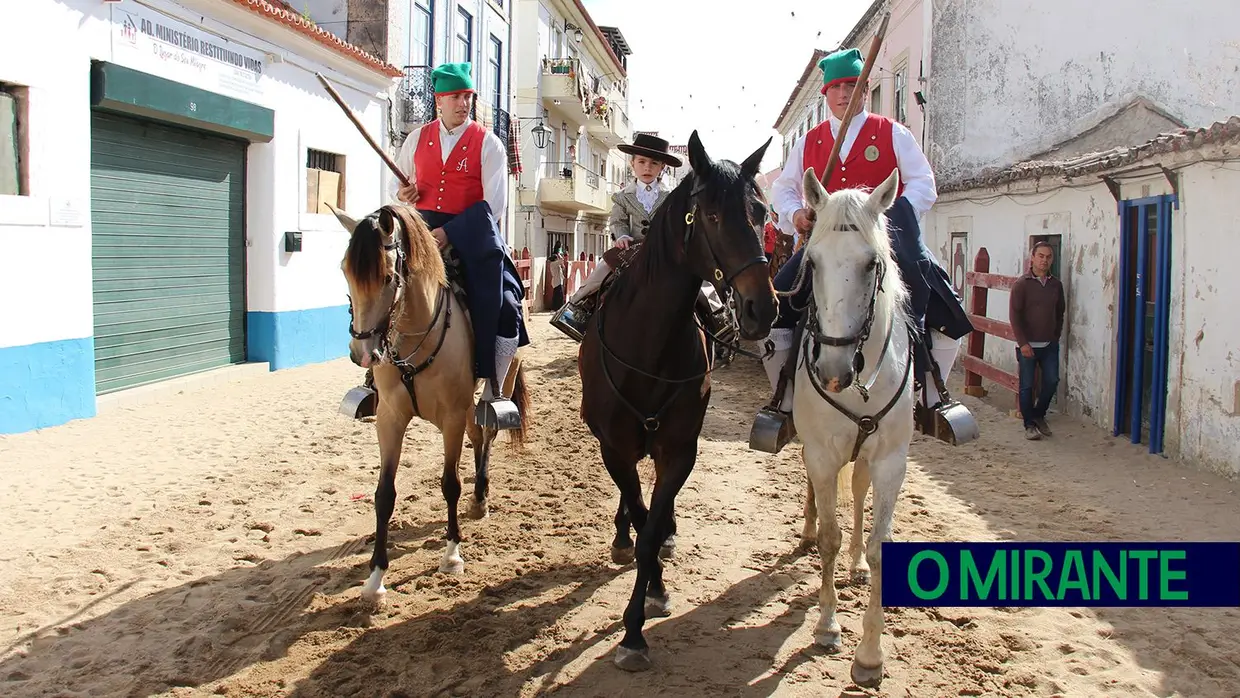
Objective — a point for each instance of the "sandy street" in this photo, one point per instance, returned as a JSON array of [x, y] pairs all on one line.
[[214, 543]]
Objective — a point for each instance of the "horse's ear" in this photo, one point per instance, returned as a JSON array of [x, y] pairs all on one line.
[[884, 195], [753, 163], [348, 223], [698, 159], [387, 224], [815, 194]]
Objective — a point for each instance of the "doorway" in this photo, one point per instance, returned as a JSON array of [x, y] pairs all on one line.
[[1144, 311]]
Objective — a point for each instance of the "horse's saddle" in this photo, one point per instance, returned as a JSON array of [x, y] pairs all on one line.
[[456, 276]]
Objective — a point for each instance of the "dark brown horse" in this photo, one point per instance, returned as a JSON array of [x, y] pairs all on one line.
[[645, 363]]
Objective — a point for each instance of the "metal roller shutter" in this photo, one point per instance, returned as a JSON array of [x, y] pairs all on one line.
[[168, 250]]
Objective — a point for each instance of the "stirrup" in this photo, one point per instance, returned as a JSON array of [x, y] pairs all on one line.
[[359, 402], [500, 413], [772, 430], [571, 320]]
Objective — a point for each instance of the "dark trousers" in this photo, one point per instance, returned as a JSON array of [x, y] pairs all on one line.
[[557, 297], [1047, 359]]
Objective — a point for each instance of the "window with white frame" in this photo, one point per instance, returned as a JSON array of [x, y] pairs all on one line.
[[422, 33], [464, 35], [899, 100], [496, 63], [876, 100]]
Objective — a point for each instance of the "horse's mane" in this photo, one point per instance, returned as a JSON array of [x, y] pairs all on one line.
[[364, 260], [848, 207]]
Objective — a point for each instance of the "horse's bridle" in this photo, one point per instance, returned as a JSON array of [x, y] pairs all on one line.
[[384, 326], [719, 277], [385, 331], [814, 339], [652, 422]]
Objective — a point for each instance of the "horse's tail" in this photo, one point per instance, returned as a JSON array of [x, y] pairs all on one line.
[[520, 397]]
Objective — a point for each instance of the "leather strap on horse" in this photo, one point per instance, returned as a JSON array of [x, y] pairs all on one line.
[[868, 424], [407, 372]]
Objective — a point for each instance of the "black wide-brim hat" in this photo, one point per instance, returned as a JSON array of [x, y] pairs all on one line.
[[652, 147]]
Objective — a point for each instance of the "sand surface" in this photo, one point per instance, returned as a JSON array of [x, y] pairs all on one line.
[[214, 544]]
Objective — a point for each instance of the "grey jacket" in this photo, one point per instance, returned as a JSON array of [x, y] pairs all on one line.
[[628, 216]]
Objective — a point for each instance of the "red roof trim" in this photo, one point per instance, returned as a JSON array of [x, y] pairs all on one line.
[[303, 26]]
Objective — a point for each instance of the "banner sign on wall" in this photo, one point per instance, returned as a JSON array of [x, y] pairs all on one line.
[[152, 42]]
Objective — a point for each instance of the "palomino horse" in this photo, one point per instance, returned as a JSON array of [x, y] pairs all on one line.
[[860, 409], [645, 363], [410, 326]]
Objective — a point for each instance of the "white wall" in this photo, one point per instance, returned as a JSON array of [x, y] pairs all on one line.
[[1010, 79], [58, 77], [1202, 425], [60, 161], [1208, 344]]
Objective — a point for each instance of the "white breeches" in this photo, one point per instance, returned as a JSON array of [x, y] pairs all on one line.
[[944, 350]]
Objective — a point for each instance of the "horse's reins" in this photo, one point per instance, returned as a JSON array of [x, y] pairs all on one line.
[[652, 421]]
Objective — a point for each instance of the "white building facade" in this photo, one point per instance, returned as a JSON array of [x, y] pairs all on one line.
[[572, 91], [164, 214], [1144, 237]]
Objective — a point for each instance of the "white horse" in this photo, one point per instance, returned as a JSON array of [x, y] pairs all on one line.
[[853, 396]]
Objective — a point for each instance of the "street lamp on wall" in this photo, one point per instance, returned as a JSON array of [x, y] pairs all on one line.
[[574, 29], [541, 134]]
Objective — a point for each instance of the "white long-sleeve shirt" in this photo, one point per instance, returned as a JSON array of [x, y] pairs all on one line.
[[494, 164], [919, 188]]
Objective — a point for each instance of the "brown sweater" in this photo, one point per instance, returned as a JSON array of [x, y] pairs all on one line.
[[1036, 310]]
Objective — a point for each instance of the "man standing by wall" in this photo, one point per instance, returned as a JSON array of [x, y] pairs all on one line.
[[1036, 311]]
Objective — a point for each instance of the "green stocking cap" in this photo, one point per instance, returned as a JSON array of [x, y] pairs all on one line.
[[452, 77], [841, 66]]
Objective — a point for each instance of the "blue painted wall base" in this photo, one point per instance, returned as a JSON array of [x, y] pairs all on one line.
[[298, 337], [46, 384]]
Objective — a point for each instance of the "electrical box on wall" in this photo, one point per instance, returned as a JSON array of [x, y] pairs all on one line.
[[292, 241]]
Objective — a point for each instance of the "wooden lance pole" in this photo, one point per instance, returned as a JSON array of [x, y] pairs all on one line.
[[404, 180]]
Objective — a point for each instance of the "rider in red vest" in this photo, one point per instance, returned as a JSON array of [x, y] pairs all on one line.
[[458, 181], [873, 147]]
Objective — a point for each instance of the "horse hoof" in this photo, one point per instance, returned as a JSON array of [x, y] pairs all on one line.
[[633, 660], [478, 510], [831, 641], [374, 597], [860, 577], [622, 556], [866, 677], [452, 562], [373, 591], [807, 544], [657, 607]]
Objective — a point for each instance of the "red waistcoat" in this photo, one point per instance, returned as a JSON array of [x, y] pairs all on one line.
[[455, 185], [855, 170]]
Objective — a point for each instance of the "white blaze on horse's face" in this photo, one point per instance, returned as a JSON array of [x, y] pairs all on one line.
[[844, 249]]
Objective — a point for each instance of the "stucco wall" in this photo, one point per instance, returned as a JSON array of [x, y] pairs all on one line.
[[1202, 424], [1010, 79], [298, 300], [1209, 345]]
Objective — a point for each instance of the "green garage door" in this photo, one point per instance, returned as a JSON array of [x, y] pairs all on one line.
[[168, 249]]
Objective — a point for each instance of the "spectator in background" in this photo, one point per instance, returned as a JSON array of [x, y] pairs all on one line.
[[771, 233], [1036, 312], [559, 270]]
